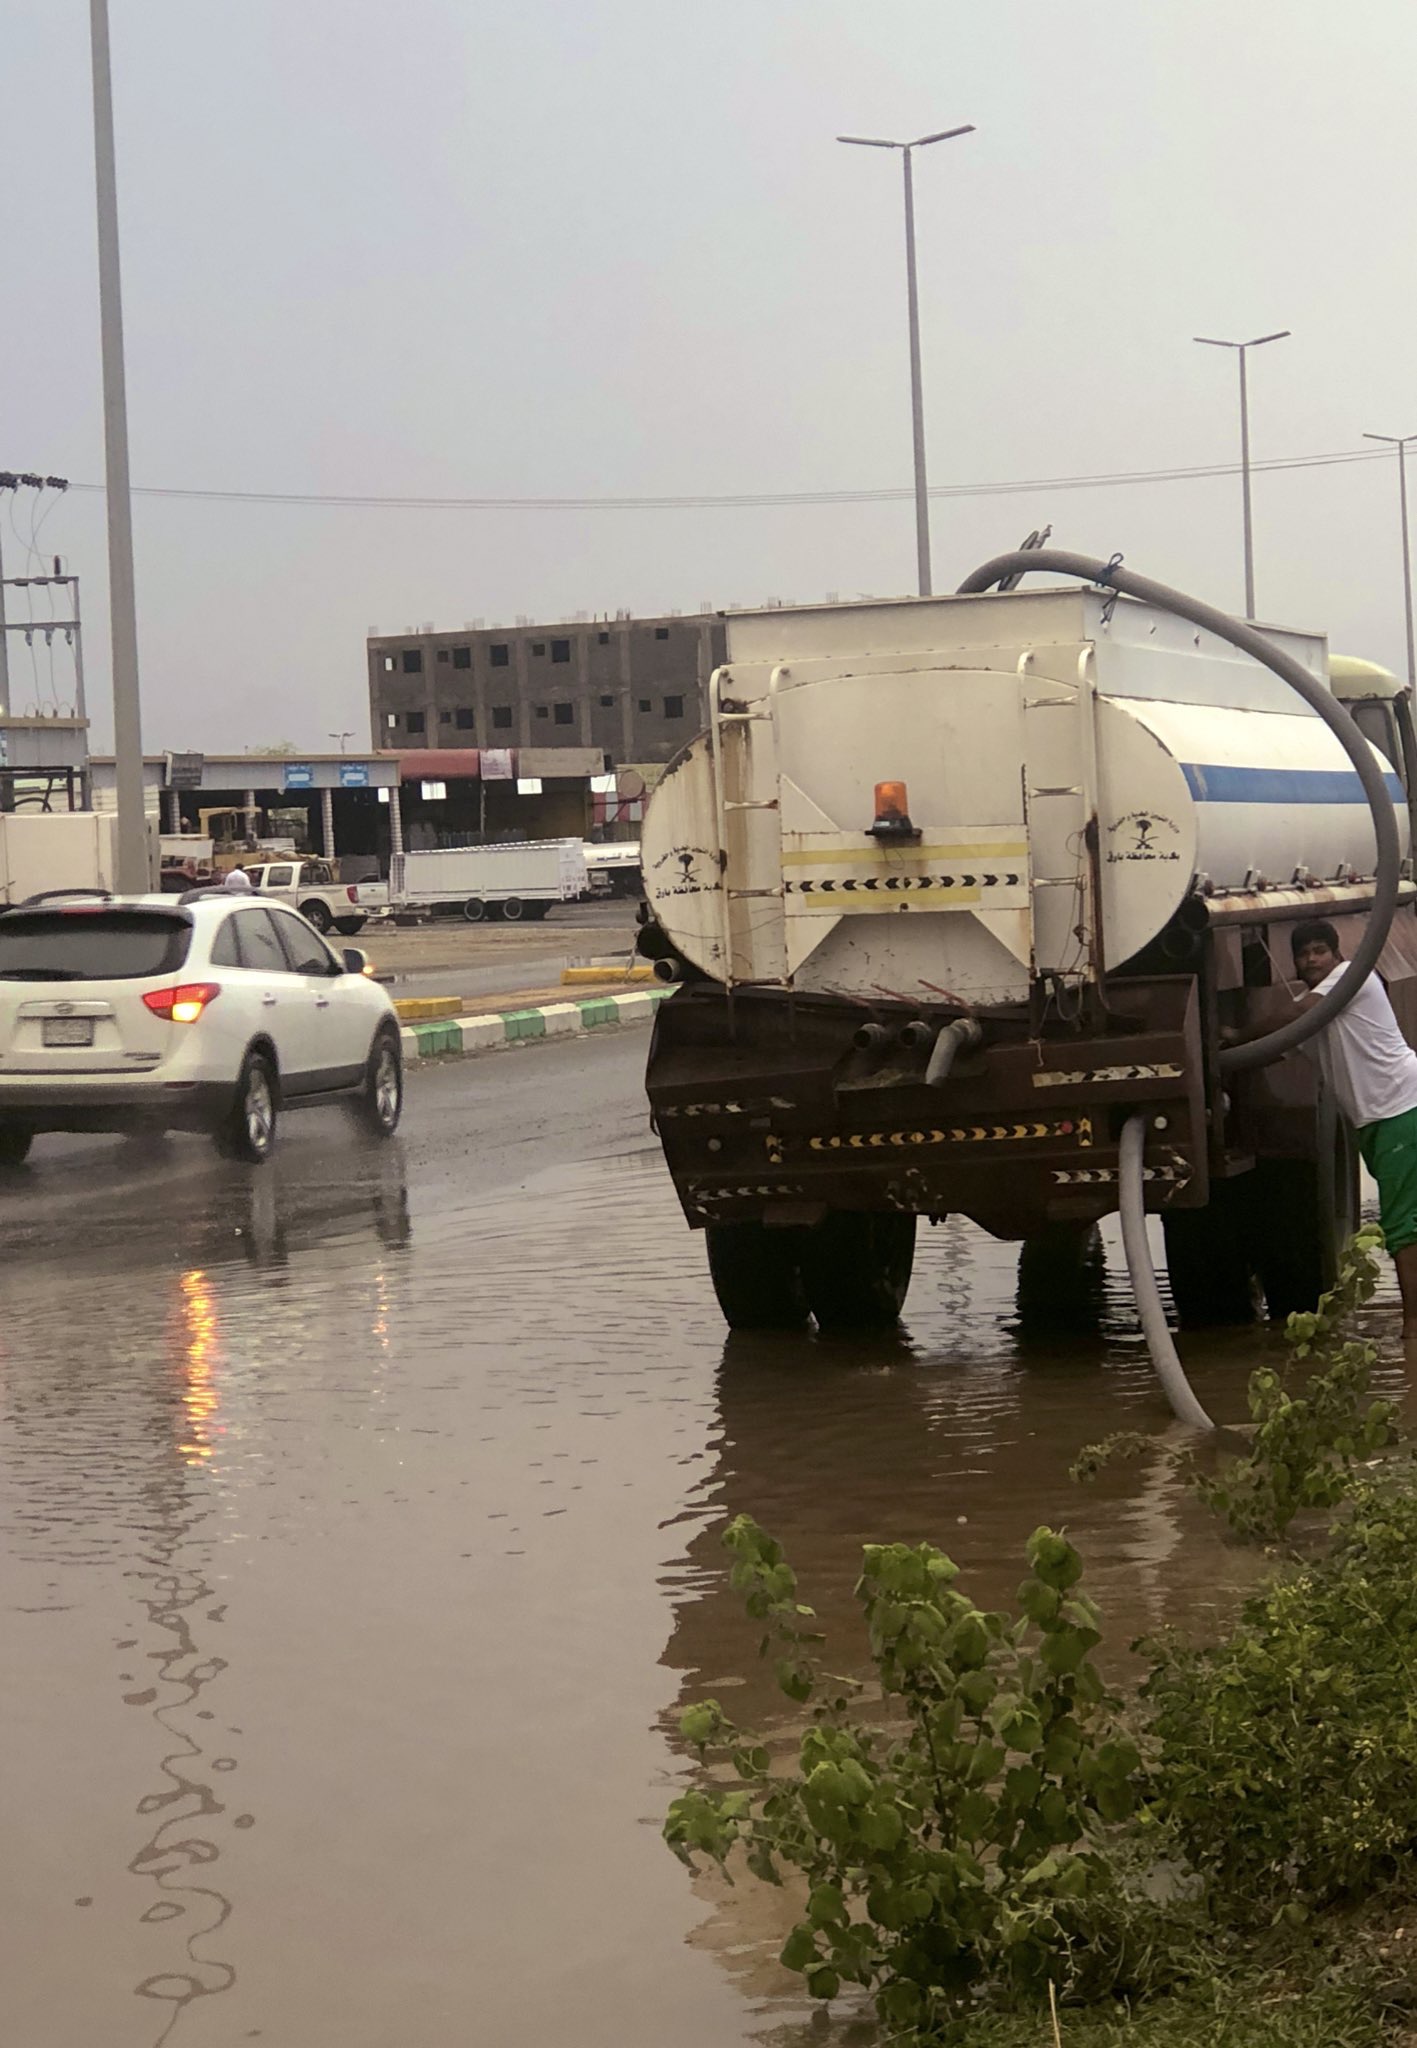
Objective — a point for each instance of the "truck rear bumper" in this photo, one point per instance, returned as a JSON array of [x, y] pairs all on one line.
[[773, 1112]]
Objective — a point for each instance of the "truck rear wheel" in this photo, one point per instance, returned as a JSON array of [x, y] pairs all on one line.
[[15, 1142], [856, 1267], [1208, 1257], [1061, 1278], [755, 1276], [1304, 1212], [513, 909], [474, 910], [317, 913]]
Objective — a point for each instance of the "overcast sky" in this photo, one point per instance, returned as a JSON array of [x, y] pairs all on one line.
[[609, 248]]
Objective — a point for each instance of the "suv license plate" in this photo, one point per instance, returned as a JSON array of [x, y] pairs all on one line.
[[68, 1030]]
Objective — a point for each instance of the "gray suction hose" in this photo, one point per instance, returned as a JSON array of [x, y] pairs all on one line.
[[1060, 562], [1132, 1203], [951, 1042]]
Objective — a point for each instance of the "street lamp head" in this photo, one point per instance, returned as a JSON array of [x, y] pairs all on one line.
[[1392, 440], [1210, 341], [870, 142], [944, 135]]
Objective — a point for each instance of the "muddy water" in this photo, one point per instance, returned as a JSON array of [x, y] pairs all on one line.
[[358, 1546]]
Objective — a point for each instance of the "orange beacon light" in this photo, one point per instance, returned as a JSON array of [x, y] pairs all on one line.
[[892, 820]]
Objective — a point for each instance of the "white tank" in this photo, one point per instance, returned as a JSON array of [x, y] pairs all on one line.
[[1013, 720]]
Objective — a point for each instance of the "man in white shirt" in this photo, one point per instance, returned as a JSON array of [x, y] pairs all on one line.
[[1372, 1071]]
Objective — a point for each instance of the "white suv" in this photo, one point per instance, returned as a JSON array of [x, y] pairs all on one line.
[[200, 1012]]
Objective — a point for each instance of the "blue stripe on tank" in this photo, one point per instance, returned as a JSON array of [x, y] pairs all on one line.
[[1211, 783]]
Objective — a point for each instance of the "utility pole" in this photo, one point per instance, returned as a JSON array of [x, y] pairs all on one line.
[[1242, 347], [912, 300], [1399, 442], [4, 635], [14, 480], [134, 877]]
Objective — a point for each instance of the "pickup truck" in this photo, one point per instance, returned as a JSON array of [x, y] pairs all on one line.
[[312, 888]]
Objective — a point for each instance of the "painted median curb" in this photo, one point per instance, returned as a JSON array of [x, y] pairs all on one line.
[[453, 1035]]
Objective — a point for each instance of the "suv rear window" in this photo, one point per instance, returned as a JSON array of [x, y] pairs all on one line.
[[91, 945]]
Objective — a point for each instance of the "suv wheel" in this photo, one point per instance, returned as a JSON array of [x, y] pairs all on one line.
[[248, 1130], [379, 1104], [15, 1142]]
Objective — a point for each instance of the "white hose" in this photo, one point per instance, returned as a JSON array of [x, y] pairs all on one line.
[[1132, 1204]]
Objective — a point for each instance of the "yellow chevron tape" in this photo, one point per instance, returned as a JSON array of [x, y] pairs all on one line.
[[854, 905]]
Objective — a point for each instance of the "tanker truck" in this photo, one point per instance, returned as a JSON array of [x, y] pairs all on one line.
[[960, 891]]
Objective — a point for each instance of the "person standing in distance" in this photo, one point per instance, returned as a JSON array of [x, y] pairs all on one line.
[[1372, 1072]]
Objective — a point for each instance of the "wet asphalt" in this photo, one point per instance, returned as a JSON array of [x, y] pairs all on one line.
[[358, 1548]]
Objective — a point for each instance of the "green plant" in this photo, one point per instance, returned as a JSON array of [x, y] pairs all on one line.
[[973, 1846], [1287, 1753], [1308, 1442], [1309, 1439]]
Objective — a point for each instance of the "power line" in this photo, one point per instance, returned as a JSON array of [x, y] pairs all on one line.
[[742, 500]]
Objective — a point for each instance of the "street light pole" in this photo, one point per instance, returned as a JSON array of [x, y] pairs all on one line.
[[1399, 442], [134, 876], [1248, 519], [917, 396], [1242, 348]]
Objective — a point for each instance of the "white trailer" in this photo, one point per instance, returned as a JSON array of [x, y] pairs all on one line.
[[521, 879], [44, 850]]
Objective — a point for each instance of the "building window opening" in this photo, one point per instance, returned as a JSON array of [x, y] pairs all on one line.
[[413, 661], [463, 718], [661, 632], [499, 654], [415, 721], [442, 654], [645, 704], [603, 638], [501, 714], [538, 647], [560, 650], [565, 714], [607, 703], [462, 657], [674, 707], [542, 712]]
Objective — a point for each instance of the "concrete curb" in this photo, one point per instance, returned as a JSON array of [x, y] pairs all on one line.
[[460, 1035]]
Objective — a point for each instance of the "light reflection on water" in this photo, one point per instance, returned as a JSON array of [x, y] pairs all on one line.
[[405, 1520]]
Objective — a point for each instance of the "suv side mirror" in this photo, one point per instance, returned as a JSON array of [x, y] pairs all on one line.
[[355, 962]]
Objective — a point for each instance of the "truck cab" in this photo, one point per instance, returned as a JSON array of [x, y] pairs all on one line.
[[1381, 708]]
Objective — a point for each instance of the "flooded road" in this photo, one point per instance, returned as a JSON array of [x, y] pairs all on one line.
[[358, 1547]]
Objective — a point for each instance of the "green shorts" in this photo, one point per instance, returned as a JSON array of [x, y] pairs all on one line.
[[1389, 1152]]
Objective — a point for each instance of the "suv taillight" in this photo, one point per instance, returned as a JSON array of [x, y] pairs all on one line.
[[184, 1004]]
